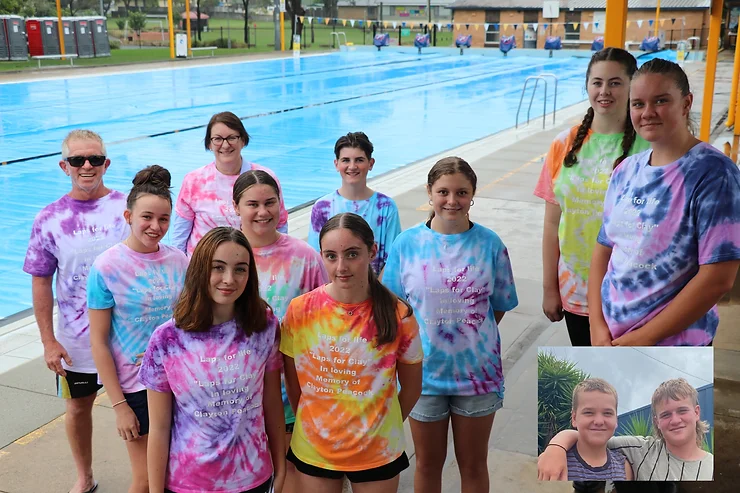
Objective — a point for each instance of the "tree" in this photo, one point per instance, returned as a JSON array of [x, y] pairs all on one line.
[[137, 22], [245, 3], [207, 5], [294, 8], [12, 7], [74, 6]]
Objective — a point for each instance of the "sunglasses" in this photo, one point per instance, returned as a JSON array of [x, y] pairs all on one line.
[[79, 161]]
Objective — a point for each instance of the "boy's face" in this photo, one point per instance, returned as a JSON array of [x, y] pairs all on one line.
[[595, 418], [353, 165], [677, 420]]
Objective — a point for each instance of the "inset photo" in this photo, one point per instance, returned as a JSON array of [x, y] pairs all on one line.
[[625, 413]]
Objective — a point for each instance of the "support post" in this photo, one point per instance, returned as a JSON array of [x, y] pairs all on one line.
[[715, 23], [616, 23], [657, 18], [60, 28], [171, 29], [187, 26], [733, 92]]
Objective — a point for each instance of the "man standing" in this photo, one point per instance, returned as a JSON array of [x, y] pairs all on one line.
[[66, 237]]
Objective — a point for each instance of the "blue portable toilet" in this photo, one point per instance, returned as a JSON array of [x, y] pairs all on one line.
[[598, 44]]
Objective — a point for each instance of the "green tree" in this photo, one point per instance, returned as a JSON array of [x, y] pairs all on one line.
[[556, 379], [137, 21], [12, 7]]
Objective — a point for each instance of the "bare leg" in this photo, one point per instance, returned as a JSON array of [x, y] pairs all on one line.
[[290, 485], [430, 444], [311, 484], [471, 451], [137, 455], [79, 426], [387, 486]]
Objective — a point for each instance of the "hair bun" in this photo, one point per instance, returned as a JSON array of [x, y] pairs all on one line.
[[155, 175]]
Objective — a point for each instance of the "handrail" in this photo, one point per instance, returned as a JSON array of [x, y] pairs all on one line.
[[537, 79], [339, 43]]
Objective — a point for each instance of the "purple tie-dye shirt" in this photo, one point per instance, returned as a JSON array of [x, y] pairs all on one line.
[[218, 440], [141, 289], [662, 223], [66, 237], [380, 212], [454, 284]]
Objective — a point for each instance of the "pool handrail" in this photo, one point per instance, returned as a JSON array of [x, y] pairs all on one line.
[[537, 79], [337, 34]]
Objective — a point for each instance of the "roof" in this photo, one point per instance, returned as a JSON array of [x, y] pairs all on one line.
[[194, 15], [399, 3], [580, 4]]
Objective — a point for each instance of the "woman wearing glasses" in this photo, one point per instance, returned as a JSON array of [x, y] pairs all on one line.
[[204, 201]]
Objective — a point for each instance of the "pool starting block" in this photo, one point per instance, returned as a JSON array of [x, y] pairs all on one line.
[[553, 43], [464, 41], [421, 41], [506, 43], [381, 40], [650, 43], [598, 44]]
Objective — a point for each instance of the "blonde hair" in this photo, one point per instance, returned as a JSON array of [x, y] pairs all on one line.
[[81, 134], [677, 389], [593, 385]]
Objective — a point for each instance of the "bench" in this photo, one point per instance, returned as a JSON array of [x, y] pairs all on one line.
[[205, 48], [71, 57], [627, 44]]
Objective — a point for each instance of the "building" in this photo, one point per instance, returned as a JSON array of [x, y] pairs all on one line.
[[395, 10], [579, 21]]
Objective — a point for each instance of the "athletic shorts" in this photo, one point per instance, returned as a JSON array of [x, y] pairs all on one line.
[[382, 473], [263, 488], [431, 408], [76, 385], [138, 404]]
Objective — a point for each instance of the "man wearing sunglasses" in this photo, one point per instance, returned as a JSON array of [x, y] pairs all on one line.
[[66, 237]]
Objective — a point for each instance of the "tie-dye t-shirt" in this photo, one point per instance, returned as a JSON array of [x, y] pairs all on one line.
[[662, 223], [286, 269], [579, 191], [455, 283], [379, 211], [218, 440], [66, 237], [205, 201], [141, 288], [349, 417]]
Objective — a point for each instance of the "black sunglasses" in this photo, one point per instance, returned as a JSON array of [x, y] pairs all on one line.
[[79, 161]]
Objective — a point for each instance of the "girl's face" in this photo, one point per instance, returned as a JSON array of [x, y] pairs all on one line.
[[657, 108], [149, 220], [608, 88], [259, 209], [451, 196], [229, 273], [229, 150], [346, 258], [353, 165]]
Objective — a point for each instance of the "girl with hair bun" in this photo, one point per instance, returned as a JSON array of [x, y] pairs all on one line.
[[573, 183], [131, 289]]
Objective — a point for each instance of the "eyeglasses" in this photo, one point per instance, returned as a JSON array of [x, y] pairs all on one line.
[[218, 140], [79, 161]]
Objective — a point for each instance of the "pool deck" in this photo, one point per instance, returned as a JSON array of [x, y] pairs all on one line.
[[34, 455]]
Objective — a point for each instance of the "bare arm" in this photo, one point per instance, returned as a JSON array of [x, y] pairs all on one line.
[[552, 464], [693, 302], [158, 445], [272, 402], [43, 309], [409, 376], [600, 335], [628, 474], [292, 385], [552, 305]]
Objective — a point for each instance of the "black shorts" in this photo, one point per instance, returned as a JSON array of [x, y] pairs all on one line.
[[138, 404], [77, 385], [263, 488], [382, 473]]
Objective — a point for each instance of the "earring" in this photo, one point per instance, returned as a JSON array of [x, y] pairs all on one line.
[[430, 202], [472, 203]]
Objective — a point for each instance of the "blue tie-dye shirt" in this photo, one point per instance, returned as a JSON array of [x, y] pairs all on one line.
[[380, 212], [662, 223], [454, 284]]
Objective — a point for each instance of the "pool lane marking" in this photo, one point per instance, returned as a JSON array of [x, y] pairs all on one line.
[[427, 207], [295, 108]]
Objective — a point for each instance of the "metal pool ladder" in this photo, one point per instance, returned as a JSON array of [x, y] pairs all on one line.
[[537, 79], [339, 42]]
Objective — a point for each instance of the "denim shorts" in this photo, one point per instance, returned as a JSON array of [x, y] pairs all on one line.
[[430, 408]]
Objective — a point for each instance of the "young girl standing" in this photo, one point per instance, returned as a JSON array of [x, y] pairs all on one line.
[[669, 247], [287, 267], [203, 202], [573, 183], [354, 160], [346, 344], [457, 276], [213, 379], [131, 289]]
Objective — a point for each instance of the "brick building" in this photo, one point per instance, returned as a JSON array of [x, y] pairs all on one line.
[[580, 21]]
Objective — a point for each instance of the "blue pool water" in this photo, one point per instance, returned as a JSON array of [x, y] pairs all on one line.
[[410, 106]]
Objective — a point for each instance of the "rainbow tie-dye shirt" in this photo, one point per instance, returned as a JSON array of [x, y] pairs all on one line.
[[662, 223], [579, 190], [218, 440], [142, 289], [349, 416], [286, 269], [205, 202], [66, 237], [455, 283]]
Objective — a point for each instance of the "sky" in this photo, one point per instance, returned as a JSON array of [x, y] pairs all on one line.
[[637, 371]]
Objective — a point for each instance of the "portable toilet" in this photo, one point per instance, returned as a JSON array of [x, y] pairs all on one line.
[[43, 36], [15, 34], [70, 35], [101, 43], [85, 44], [4, 42]]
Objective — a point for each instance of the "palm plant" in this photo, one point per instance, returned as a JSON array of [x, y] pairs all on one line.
[[638, 426]]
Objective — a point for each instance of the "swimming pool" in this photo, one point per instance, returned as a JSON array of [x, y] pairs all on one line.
[[411, 106]]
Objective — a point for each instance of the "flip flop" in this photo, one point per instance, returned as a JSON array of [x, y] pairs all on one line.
[[94, 487]]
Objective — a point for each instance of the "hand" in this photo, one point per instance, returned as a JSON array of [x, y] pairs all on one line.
[[139, 357], [126, 422], [552, 465], [552, 305], [600, 334], [53, 354], [633, 338], [279, 482]]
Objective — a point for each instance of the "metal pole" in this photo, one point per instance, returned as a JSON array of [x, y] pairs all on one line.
[[171, 29], [276, 23], [657, 16], [187, 26], [429, 10], [733, 92], [228, 31], [102, 12], [715, 23], [60, 29]]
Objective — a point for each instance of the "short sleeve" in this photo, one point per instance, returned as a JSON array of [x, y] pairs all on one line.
[[318, 219], [40, 261], [393, 226], [274, 359], [152, 373], [633, 447], [717, 216], [545, 188], [183, 206], [409, 347], [610, 200], [99, 296], [504, 296], [392, 271], [286, 335]]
